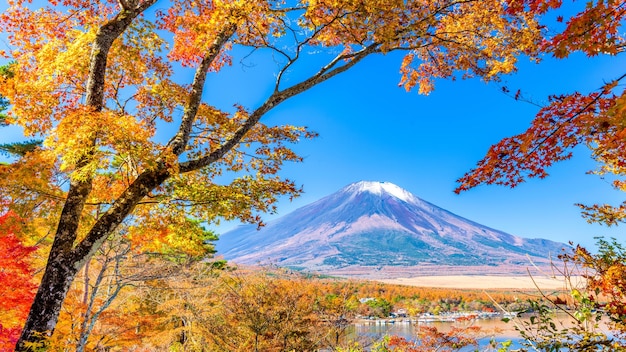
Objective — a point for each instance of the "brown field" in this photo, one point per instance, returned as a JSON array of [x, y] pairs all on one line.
[[482, 282], [429, 270]]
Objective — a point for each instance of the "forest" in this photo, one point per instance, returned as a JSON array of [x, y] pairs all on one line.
[[125, 300], [124, 160]]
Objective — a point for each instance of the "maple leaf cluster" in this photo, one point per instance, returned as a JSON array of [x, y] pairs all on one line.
[[17, 288]]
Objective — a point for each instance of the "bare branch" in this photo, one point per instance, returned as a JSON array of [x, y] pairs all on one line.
[[276, 98], [299, 47]]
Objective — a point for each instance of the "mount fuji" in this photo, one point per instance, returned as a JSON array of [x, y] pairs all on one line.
[[377, 229]]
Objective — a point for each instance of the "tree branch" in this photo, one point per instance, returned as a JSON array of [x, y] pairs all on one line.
[[299, 47], [178, 143], [80, 188], [124, 205], [275, 99]]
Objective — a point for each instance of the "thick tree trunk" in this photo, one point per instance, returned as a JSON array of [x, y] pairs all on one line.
[[65, 261], [60, 271], [56, 282]]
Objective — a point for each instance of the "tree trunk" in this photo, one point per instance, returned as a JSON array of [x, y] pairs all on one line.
[[65, 260], [56, 281]]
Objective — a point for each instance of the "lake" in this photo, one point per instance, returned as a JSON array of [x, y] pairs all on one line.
[[492, 329]]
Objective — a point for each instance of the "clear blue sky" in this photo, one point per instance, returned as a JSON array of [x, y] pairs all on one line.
[[370, 129]]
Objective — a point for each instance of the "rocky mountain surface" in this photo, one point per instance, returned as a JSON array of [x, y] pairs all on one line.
[[377, 229]]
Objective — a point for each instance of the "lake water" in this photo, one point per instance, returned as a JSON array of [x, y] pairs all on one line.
[[369, 331], [495, 329]]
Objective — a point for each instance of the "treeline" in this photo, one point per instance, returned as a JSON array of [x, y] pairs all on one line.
[[152, 303], [131, 297]]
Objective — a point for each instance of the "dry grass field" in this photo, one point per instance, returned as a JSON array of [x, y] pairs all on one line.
[[482, 282]]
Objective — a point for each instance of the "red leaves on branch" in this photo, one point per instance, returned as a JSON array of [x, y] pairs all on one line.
[[593, 31], [532, 6], [568, 121], [431, 339]]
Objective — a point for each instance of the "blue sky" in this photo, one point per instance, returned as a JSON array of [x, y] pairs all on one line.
[[371, 129]]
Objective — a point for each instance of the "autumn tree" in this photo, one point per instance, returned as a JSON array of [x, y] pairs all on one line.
[[269, 313], [429, 338], [127, 139], [594, 119], [336, 308], [185, 308], [101, 309]]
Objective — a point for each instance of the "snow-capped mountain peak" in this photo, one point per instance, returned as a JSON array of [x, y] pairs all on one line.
[[380, 188]]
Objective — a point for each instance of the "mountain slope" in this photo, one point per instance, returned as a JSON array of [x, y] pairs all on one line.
[[378, 224]]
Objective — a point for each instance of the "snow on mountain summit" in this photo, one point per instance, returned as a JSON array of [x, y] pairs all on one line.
[[378, 188]]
